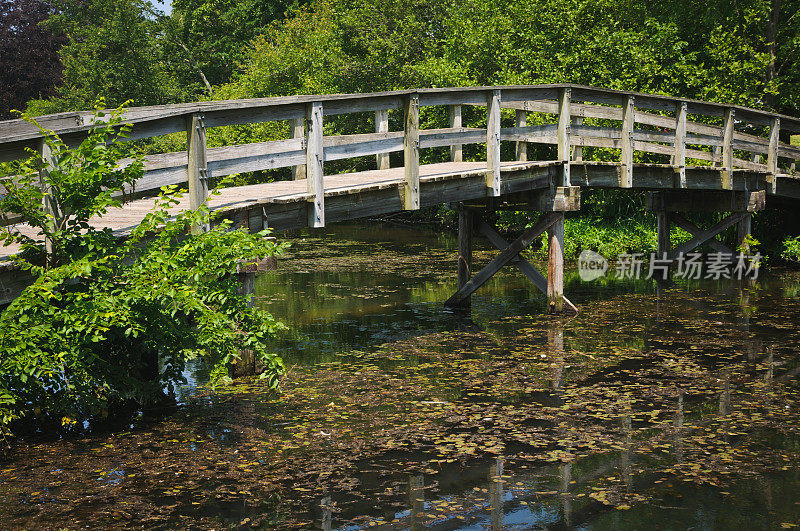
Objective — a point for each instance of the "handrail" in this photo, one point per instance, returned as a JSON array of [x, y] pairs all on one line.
[[648, 123]]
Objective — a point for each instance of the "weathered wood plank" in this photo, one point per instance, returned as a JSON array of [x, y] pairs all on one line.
[[679, 145], [626, 141], [456, 150], [521, 120], [299, 131], [493, 143], [314, 164], [197, 169], [555, 264], [411, 152], [727, 148], [564, 132], [772, 153], [465, 225]]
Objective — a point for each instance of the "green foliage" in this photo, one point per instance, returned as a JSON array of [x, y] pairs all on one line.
[[791, 249], [216, 32], [115, 51], [108, 321]]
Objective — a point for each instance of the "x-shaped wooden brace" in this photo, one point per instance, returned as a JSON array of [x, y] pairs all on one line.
[[508, 253], [700, 236]]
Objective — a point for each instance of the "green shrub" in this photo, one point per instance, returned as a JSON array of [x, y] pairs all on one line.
[[109, 321]]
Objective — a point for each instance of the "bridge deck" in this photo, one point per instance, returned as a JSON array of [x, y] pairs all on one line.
[[123, 220], [284, 204]]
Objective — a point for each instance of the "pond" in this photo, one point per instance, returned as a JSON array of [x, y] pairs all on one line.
[[670, 407]]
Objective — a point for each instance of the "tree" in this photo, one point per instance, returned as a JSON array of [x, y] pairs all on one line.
[[109, 321], [29, 63], [213, 34], [114, 52]]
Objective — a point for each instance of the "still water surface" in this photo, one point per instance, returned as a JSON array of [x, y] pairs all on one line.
[[670, 408]]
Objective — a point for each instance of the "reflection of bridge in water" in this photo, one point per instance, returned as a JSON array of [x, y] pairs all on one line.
[[693, 156], [553, 495]]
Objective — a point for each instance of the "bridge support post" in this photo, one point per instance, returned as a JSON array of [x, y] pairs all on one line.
[[466, 219], [555, 264], [298, 131], [248, 364], [664, 227]]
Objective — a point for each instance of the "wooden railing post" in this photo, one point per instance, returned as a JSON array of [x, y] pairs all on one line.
[[456, 154], [411, 152], [564, 121], [626, 142], [298, 131], [522, 147], [49, 203], [314, 166], [679, 158], [577, 151], [493, 143], [382, 126], [197, 169], [772, 153], [727, 149]]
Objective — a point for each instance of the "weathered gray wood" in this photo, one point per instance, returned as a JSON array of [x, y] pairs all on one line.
[[505, 256], [706, 235], [349, 146], [727, 148], [257, 156], [382, 126], [521, 146], [50, 203], [577, 150], [626, 140], [564, 132], [299, 131], [465, 225], [523, 265], [772, 154], [742, 232], [493, 143], [456, 150], [707, 201], [429, 138], [694, 230], [543, 133], [663, 232], [315, 158], [411, 152], [555, 264], [197, 169]]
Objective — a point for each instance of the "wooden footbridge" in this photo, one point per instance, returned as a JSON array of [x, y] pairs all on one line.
[[692, 155]]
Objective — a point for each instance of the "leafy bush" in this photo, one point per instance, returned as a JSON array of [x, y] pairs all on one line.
[[791, 249], [108, 321]]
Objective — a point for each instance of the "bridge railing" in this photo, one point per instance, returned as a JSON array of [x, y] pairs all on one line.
[[682, 132]]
